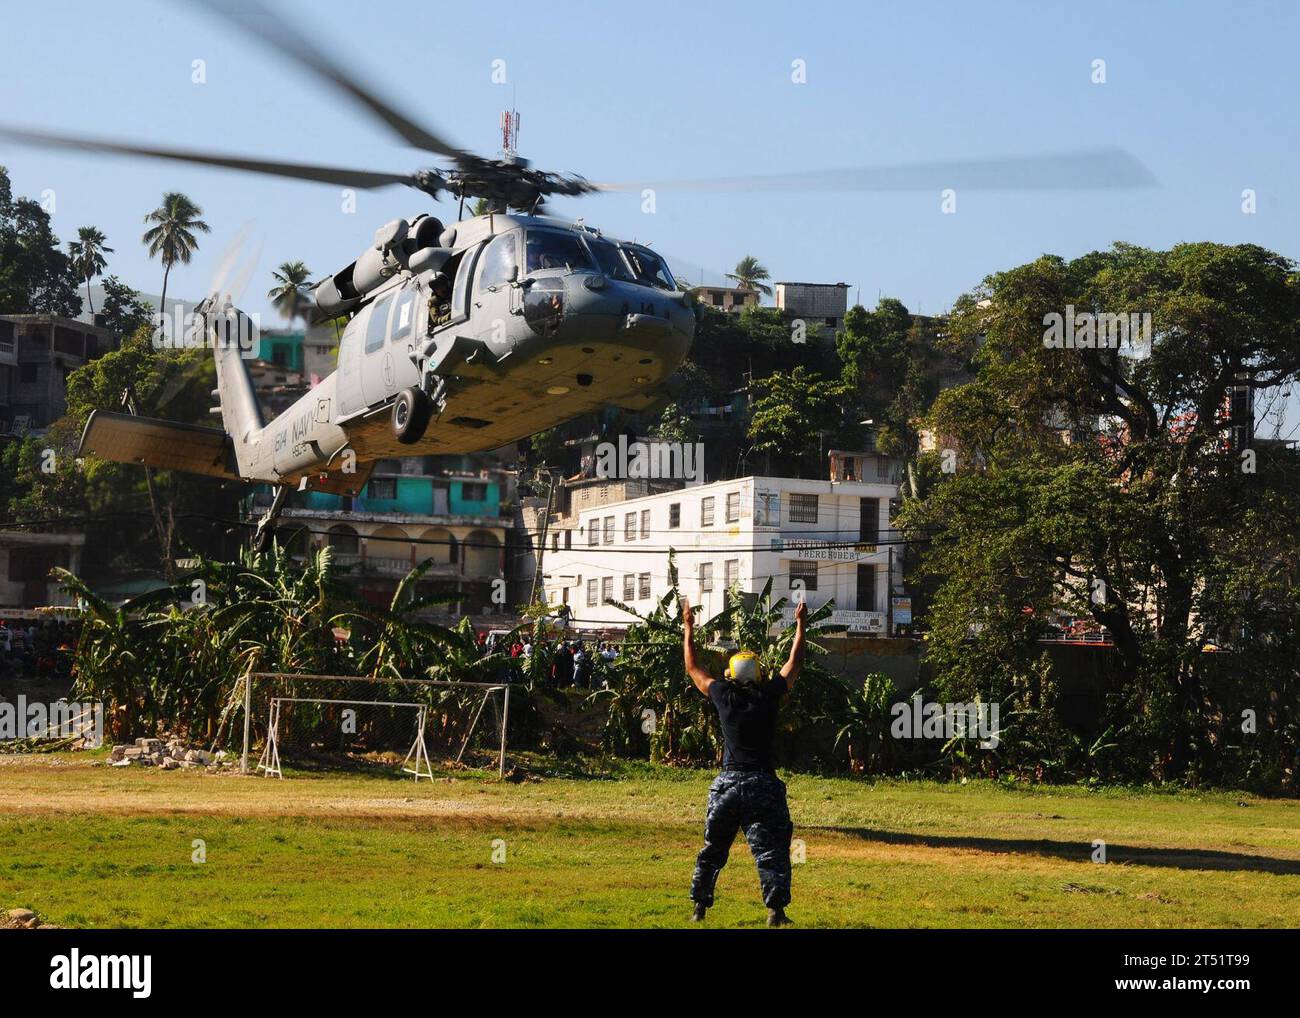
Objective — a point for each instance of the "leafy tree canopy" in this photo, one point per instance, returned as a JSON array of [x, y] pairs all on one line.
[[35, 276]]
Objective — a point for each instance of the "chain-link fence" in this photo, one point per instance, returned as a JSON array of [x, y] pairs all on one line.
[[329, 722]]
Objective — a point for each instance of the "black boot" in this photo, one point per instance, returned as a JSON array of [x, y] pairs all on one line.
[[777, 917], [698, 915]]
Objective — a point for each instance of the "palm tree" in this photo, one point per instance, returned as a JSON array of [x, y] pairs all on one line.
[[87, 254], [288, 296], [749, 275], [172, 235]]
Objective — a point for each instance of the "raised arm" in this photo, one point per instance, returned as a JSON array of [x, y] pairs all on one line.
[[794, 664], [702, 679]]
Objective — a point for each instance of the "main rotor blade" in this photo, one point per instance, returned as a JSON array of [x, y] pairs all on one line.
[[1094, 169], [298, 171], [263, 24]]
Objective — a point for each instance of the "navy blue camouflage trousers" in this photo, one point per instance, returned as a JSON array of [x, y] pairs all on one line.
[[752, 801]]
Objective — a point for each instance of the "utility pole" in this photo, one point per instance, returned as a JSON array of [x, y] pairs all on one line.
[[889, 595], [541, 548]]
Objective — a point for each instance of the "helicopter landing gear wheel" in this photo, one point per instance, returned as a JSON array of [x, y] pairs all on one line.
[[411, 412]]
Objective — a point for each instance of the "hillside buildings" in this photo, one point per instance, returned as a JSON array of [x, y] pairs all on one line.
[[817, 539], [445, 510], [823, 304], [37, 353]]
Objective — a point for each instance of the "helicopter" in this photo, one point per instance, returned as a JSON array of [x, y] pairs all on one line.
[[468, 335]]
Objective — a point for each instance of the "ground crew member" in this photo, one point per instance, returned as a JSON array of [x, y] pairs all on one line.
[[747, 795]]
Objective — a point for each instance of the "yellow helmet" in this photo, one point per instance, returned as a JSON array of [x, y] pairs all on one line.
[[745, 667]]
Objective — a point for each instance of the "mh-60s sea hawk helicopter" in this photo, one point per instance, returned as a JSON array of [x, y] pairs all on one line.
[[466, 336]]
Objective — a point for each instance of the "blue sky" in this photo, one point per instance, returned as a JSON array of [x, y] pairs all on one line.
[[1204, 94]]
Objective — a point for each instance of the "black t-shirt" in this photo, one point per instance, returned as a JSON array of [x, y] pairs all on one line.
[[748, 716]]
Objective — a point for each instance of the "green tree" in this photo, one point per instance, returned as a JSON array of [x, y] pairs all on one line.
[[1105, 482], [86, 255], [173, 384], [172, 238], [750, 274], [793, 415], [873, 348], [289, 296], [123, 311], [35, 276]]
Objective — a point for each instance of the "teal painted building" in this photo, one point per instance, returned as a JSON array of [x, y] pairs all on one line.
[[283, 348], [414, 495]]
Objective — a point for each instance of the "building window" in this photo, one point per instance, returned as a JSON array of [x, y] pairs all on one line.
[[472, 491], [593, 533], [609, 530], [568, 540], [803, 575], [674, 516], [645, 524], [606, 589], [629, 587], [803, 508], [643, 586], [733, 507], [555, 542], [866, 588], [706, 512], [869, 521], [706, 577], [731, 572], [591, 593], [383, 488], [629, 527]]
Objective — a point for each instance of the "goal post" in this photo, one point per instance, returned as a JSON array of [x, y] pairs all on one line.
[[355, 716], [415, 762]]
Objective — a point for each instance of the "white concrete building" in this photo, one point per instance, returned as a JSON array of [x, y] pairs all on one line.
[[832, 539]]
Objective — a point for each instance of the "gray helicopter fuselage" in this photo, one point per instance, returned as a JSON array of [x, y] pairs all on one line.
[[545, 322]]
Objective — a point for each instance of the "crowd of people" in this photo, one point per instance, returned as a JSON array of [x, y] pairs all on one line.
[[36, 648], [575, 662]]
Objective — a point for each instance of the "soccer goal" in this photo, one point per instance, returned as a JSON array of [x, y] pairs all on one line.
[[325, 722]]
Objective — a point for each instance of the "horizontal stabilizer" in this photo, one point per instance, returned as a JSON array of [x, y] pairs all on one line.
[[165, 445]]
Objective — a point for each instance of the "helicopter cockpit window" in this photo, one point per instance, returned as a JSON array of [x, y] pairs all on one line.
[[651, 270], [607, 257], [377, 326], [551, 249], [499, 261]]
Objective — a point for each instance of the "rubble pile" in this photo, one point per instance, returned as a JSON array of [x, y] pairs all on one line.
[[171, 755]]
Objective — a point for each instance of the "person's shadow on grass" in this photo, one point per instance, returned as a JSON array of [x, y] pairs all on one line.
[[1180, 858]]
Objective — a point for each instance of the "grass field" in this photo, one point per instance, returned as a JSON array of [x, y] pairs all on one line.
[[86, 845]]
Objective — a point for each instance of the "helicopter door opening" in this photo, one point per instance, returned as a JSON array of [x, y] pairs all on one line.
[[378, 365]]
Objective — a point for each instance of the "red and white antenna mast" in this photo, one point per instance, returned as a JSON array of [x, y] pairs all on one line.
[[509, 134]]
